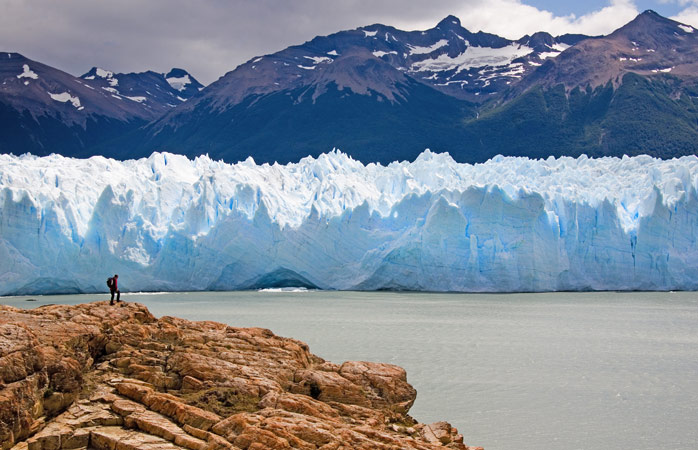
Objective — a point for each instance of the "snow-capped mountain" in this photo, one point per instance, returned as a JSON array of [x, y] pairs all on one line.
[[511, 224], [447, 57], [650, 45], [377, 92], [45, 110], [383, 94], [460, 63], [156, 92], [40, 90]]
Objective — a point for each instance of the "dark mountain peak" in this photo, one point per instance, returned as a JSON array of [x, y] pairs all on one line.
[[651, 14], [648, 24], [97, 72], [650, 17], [449, 22], [176, 73], [12, 56], [573, 39], [540, 39]]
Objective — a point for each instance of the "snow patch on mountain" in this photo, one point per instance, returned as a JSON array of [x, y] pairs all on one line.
[[473, 57], [141, 99], [179, 83], [27, 73], [103, 73], [379, 54], [425, 50], [64, 97], [319, 59]]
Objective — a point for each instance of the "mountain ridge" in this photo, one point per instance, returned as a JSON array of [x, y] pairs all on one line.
[[384, 94]]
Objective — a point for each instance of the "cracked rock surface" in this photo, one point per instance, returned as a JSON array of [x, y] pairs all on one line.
[[116, 378]]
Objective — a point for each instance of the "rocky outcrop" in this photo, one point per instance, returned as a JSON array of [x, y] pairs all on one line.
[[117, 378]]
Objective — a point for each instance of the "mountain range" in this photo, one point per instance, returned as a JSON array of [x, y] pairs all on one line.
[[380, 94]]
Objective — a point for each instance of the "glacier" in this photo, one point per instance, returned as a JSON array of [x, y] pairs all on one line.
[[167, 223]]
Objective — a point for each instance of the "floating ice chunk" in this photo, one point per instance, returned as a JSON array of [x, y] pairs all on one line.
[[27, 73]]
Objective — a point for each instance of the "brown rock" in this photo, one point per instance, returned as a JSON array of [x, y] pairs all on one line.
[[386, 384], [126, 407], [438, 432], [80, 438], [91, 376], [329, 387]]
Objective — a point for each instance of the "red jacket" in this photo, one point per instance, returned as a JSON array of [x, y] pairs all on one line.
[[114, 287]]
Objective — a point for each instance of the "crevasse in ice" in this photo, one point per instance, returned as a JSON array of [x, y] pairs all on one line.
[[510, 224]]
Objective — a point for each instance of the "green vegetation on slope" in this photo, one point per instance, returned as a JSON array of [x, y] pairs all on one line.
[[657, 116]]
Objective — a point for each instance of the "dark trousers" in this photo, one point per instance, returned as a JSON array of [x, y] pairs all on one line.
[[118, 295]]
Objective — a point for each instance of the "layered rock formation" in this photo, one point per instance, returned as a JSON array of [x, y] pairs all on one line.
[[117, 378]]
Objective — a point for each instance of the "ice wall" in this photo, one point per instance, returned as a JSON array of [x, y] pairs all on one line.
[[510, 224]]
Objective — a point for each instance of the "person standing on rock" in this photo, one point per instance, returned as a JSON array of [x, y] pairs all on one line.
[[113, 282]]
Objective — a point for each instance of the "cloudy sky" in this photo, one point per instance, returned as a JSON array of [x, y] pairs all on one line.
[[211, 37]]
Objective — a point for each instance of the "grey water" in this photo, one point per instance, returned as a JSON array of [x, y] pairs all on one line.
[[511, 372]]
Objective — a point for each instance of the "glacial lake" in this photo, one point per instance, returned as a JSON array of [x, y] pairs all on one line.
[[557, 371]]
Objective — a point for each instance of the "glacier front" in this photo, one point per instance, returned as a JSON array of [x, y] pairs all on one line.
[[510, 224]]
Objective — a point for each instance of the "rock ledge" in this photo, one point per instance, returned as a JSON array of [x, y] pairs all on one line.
[[116, 378]]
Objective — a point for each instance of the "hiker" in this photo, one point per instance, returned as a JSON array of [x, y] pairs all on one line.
[[112, 282]]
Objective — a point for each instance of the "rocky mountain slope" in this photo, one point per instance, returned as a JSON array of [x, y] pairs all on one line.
[[101, 377], [378, 93], [156, 92], [381, 94], [650, 45], [630, 93], [46, 110]]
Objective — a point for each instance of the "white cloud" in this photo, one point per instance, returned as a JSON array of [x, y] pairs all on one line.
[[688, 16], [513, 19]]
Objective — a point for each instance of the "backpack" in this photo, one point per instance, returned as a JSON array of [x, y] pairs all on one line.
[[110, 282]]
